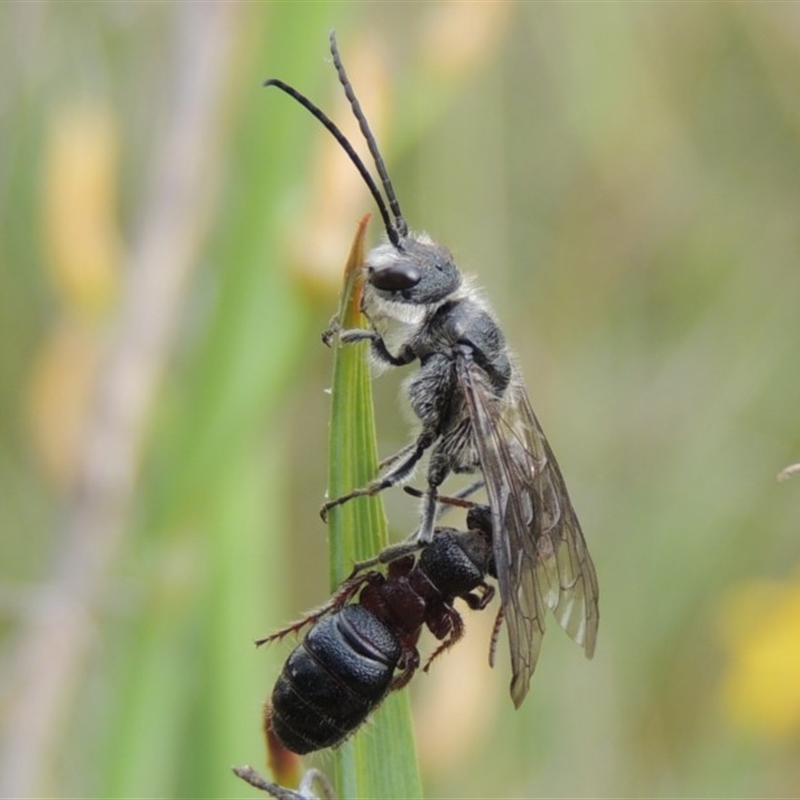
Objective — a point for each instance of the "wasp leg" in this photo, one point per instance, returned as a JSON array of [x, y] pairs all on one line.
[[449, 625], [386, 556], [391, 478], [343, 595], [498, 624]]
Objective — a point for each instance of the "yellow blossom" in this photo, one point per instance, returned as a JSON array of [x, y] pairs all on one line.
[[760, 691]]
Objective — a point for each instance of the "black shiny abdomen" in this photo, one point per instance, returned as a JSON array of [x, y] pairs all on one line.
[[333, 679]]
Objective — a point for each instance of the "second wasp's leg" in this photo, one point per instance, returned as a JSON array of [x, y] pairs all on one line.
[[498, 624], [447, 626], [452, 500], [469, 490], [343, 595], [478, 600]]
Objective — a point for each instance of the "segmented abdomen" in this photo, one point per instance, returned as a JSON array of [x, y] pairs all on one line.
[[333, 679]]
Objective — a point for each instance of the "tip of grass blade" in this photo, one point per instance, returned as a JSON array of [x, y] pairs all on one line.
[[350, 301], [357, 530], [380, 761]]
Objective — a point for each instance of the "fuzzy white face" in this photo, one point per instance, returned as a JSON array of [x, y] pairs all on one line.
[[396, 323], [404, 285], [405, 288]]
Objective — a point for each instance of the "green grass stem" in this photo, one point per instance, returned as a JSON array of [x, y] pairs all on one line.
[[380, 761]]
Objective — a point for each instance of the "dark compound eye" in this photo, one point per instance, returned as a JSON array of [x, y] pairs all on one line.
[[395, 278]]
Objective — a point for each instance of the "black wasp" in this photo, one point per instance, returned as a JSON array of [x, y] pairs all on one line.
[[356, 653], [475, 415]]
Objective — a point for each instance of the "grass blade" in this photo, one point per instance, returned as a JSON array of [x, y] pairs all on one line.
[[380, 760]]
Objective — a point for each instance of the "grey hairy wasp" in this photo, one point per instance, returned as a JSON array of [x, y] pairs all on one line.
[[475, 418]]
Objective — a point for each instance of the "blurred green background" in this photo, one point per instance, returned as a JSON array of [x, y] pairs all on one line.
[[624, 181]]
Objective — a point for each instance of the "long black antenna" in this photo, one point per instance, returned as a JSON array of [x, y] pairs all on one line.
[[399, 220], [392, 230]]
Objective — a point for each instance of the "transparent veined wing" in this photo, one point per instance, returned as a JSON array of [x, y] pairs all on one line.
[[540, 554]]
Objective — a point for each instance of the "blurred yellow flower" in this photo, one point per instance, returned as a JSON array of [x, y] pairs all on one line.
[[80, 207], [761, 628], [83, 248], [59, 395]]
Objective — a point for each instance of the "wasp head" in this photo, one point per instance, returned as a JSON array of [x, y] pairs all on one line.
[[417, 272]]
